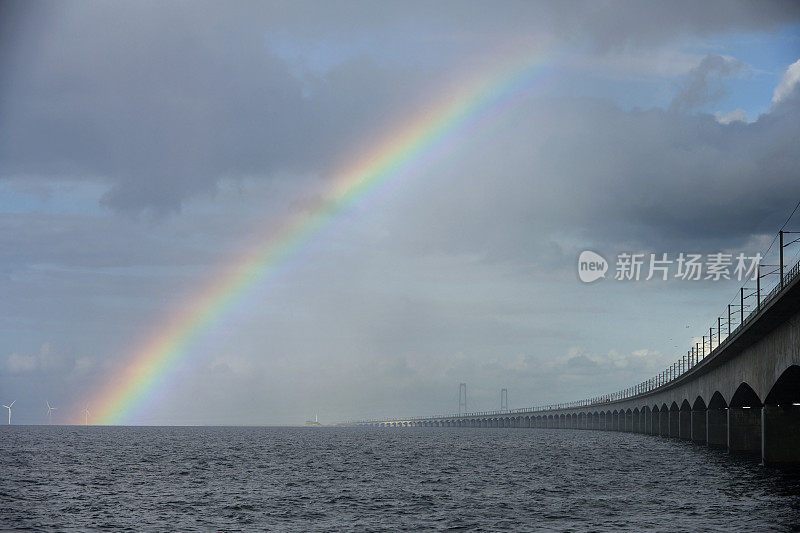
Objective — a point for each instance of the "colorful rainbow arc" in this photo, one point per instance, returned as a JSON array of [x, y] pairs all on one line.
[[404, 151]]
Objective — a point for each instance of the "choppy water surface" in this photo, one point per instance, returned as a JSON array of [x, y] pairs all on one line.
[[305, 479]]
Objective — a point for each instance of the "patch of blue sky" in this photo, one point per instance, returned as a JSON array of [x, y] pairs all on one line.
[[31, 195], [768, 55]]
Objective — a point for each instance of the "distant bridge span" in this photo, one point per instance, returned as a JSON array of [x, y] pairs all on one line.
[[743, 396]]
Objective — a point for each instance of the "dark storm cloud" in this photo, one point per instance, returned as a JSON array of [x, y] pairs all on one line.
[[162, 106], [616, 23], [161, 100], [586, 172], [606, 24]]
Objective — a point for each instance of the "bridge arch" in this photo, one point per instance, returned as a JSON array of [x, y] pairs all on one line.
[[698, 419], [717, 421], [745, 396], [744, 421], [717, 401], [781, 419], [663, 420], [674, 420], [786, 389], [685, 421], [699, 404]]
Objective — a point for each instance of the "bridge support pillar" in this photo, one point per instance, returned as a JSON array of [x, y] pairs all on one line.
[[780, 434], [699, 426], [674, 423], [685, 424], [663, 423], [717, 428], [744, 430]]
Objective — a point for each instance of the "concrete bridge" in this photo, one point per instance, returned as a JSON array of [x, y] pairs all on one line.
[[743, 396]]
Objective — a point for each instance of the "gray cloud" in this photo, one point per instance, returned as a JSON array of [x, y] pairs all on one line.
[[159, 101], [705, 83], [585, 171]]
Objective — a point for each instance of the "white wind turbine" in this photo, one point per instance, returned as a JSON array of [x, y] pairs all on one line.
[[50, 412], [86, 414], [9, 411]]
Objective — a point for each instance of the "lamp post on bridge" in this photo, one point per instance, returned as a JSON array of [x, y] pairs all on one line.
[[729, 320], [741, 306]]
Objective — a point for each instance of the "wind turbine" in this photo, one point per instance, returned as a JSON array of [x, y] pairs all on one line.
[[86, 414], [9, 411], [50, 412]]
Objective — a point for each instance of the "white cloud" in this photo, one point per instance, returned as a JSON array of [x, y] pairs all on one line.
[[788, 83], [20, 364], [46, 361], [737, 115]]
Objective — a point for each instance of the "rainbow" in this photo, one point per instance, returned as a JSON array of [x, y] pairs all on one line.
[[404, 151]]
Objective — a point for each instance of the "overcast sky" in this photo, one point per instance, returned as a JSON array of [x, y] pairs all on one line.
[[144, 144]]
